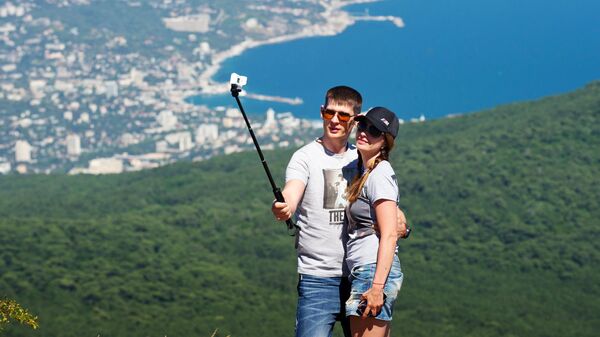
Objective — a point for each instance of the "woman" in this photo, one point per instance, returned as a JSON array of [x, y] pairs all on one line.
[[375, 271]]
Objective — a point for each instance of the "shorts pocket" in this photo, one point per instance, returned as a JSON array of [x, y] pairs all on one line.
[[364, 273]]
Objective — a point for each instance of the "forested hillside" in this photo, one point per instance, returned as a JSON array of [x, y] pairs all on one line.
[[505, 206]]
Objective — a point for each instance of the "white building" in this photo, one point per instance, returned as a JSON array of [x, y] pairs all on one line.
[[232, 149], [233, 113], [112, 89], [199, 23], [183, 140], [21, 169], [421, 119], [64, 86], [84, 118], [73, 145], [207, 133], [203, 49], [185, 73], [37, 87], [9, 9], [4, 167], [22, 151], [166, 119], [68, 115], [137, 77], [127, 139], [105, 166], [270, 121], [233, 119], [288, 121]]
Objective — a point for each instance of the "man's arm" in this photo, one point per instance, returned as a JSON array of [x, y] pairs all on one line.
[[292, 192], [401, 226]]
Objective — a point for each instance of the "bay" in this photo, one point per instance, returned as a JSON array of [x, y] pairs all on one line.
[[451, 57]]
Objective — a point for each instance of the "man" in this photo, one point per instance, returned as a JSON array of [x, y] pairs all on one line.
[[314, 176]]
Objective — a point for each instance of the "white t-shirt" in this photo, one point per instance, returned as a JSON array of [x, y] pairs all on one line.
[[320, 213], [363, 242]]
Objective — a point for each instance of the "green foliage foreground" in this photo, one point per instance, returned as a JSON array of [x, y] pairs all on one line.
[[505, 206]]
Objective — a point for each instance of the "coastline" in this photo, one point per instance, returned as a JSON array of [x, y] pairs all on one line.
[[336, 21]]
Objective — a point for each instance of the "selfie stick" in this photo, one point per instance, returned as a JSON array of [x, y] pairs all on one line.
[[235, 91]]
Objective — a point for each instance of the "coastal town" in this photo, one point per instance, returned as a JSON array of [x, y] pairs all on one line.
[[88, 99]]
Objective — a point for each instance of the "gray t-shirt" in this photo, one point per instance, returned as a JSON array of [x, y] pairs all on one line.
[[320, 213], [363, 241]]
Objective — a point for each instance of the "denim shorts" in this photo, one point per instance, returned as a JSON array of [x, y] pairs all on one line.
[[361, 278]]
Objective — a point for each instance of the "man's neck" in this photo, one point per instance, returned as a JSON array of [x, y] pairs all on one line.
[[334, 145]]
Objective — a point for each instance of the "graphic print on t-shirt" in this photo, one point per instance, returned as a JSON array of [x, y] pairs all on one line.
[[334, 195]]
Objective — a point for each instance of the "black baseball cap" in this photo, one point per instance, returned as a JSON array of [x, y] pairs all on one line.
[[383, 119]]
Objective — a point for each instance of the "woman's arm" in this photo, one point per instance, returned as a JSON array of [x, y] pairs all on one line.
[[385, 211]]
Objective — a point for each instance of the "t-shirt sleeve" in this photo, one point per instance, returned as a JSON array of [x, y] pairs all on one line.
[[382, 184], [297, 168]]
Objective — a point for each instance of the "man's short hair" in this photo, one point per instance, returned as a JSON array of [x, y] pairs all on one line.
[[344, 95]]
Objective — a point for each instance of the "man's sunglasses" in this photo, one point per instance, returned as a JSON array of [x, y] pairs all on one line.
[[342, 116], [363, 125]]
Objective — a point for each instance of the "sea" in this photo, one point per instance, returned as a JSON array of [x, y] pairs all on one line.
[[452, 57]]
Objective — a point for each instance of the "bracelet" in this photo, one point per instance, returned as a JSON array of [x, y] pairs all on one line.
[[379, 284]]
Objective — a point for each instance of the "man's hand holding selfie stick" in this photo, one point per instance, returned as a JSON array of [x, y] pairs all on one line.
[[237, 82]]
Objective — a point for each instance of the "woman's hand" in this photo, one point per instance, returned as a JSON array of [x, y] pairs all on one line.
[[374, 298]]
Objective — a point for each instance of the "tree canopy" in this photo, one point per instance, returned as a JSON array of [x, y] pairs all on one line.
[[504, 204]]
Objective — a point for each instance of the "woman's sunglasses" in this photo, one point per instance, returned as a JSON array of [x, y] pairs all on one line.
[[342, 116], [363, 125]]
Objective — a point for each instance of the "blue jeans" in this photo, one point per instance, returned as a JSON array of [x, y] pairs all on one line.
[[320, 304]]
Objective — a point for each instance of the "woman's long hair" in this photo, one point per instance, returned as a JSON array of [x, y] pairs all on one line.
[[353, 191]]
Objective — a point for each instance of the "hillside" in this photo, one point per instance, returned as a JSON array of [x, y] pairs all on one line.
[[505, 204]]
